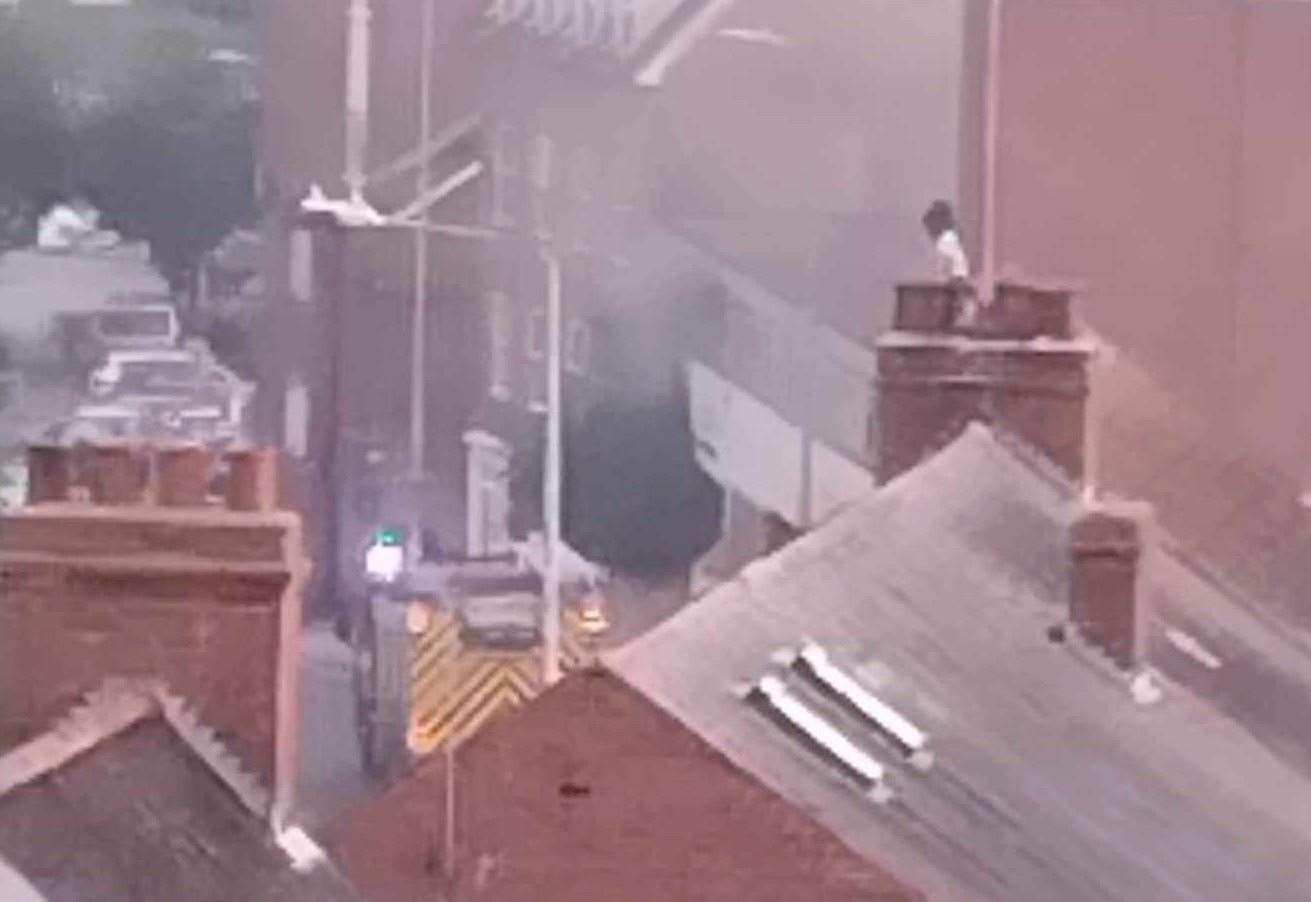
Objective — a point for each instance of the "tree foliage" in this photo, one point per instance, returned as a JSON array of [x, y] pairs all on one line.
[[157, 135], [33, 140], [173, 164]]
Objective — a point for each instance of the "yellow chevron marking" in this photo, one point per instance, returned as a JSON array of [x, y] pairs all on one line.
[[455, 689]]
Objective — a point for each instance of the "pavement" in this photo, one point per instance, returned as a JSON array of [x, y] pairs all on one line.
[[331, 778]]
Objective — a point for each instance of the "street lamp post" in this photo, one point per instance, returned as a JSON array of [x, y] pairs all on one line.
[[992, 126], [552, 478], [418, 337], [357, 94]]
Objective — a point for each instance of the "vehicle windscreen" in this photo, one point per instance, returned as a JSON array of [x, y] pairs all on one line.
[[136, 323], [513, 612], [156, 375]]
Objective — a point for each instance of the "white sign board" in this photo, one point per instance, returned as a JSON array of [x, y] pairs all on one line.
[[745, 445]]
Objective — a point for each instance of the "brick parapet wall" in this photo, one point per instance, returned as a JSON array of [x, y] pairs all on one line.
[[1016, 368], [928, 392], [204, 598]]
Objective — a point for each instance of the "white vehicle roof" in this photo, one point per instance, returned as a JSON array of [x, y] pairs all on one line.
[[103, 411], [126, 304], [158, 355]]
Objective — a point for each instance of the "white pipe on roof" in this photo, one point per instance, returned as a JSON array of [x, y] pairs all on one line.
[[820, 730], [885, 716]]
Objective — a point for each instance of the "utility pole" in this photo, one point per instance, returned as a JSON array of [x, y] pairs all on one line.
[[357, 95], [551, 482], [992, 125], [418, 336]]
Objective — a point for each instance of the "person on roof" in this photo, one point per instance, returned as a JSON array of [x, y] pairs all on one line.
[[940, 222]]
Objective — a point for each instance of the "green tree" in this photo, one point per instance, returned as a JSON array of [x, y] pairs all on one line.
[[173, 163], [34, 143]]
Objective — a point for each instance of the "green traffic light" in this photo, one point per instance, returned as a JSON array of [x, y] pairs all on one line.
[[388, 537]]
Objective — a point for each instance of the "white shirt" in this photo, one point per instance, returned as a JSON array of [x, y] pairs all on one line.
[[60, 228], [951, 259]]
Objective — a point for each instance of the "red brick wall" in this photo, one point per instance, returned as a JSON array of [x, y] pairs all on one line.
[[1275, 268], [202, 599], [655, 814], [929, 392], [1151, 150]]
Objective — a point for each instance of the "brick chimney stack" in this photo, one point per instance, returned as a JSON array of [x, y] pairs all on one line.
[[155, 578], [1017, 368], [1106, 547]]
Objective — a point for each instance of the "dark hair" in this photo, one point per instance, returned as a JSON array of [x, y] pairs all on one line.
[[939, 218]]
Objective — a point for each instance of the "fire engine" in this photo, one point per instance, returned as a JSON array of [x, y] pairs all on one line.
[[443, 644]]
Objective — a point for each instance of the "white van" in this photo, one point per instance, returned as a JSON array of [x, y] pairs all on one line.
[[149, 373], [144, 326]]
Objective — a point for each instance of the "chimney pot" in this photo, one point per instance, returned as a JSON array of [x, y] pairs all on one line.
[[252, 480], [1024, 311], [184, 475], [931, 307], [49, 473], [117, 475], [1106, 547]]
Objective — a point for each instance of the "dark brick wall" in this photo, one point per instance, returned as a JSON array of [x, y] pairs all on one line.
[[195, 597], [930, 390], [1104, 604]]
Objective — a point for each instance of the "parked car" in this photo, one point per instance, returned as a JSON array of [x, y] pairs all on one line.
[[86, 337], [171, 373], [96, 423]]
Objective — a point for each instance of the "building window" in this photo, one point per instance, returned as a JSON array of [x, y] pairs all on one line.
[[300, 262], [537, 387], [541, 155], [296, 418], [582, 187], [578, 348], [582, 175], [488, 503], [505, 174], [501, 327], [747, 340], [535, 339]]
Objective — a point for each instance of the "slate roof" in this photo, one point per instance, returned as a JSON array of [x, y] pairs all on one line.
[[936, 592], [593, 792], [128, 799]]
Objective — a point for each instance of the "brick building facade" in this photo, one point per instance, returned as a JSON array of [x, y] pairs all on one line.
[[205, 598], [797, 156], [595, 792]]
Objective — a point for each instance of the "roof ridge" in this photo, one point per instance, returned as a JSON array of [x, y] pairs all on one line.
[[113, 706], [204, 743], [109, 709]]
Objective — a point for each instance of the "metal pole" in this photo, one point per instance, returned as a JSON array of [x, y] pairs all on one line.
[[448, 855], [357, 95], [1092, 421], [418, 334], [992, 127], [551, 501]]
